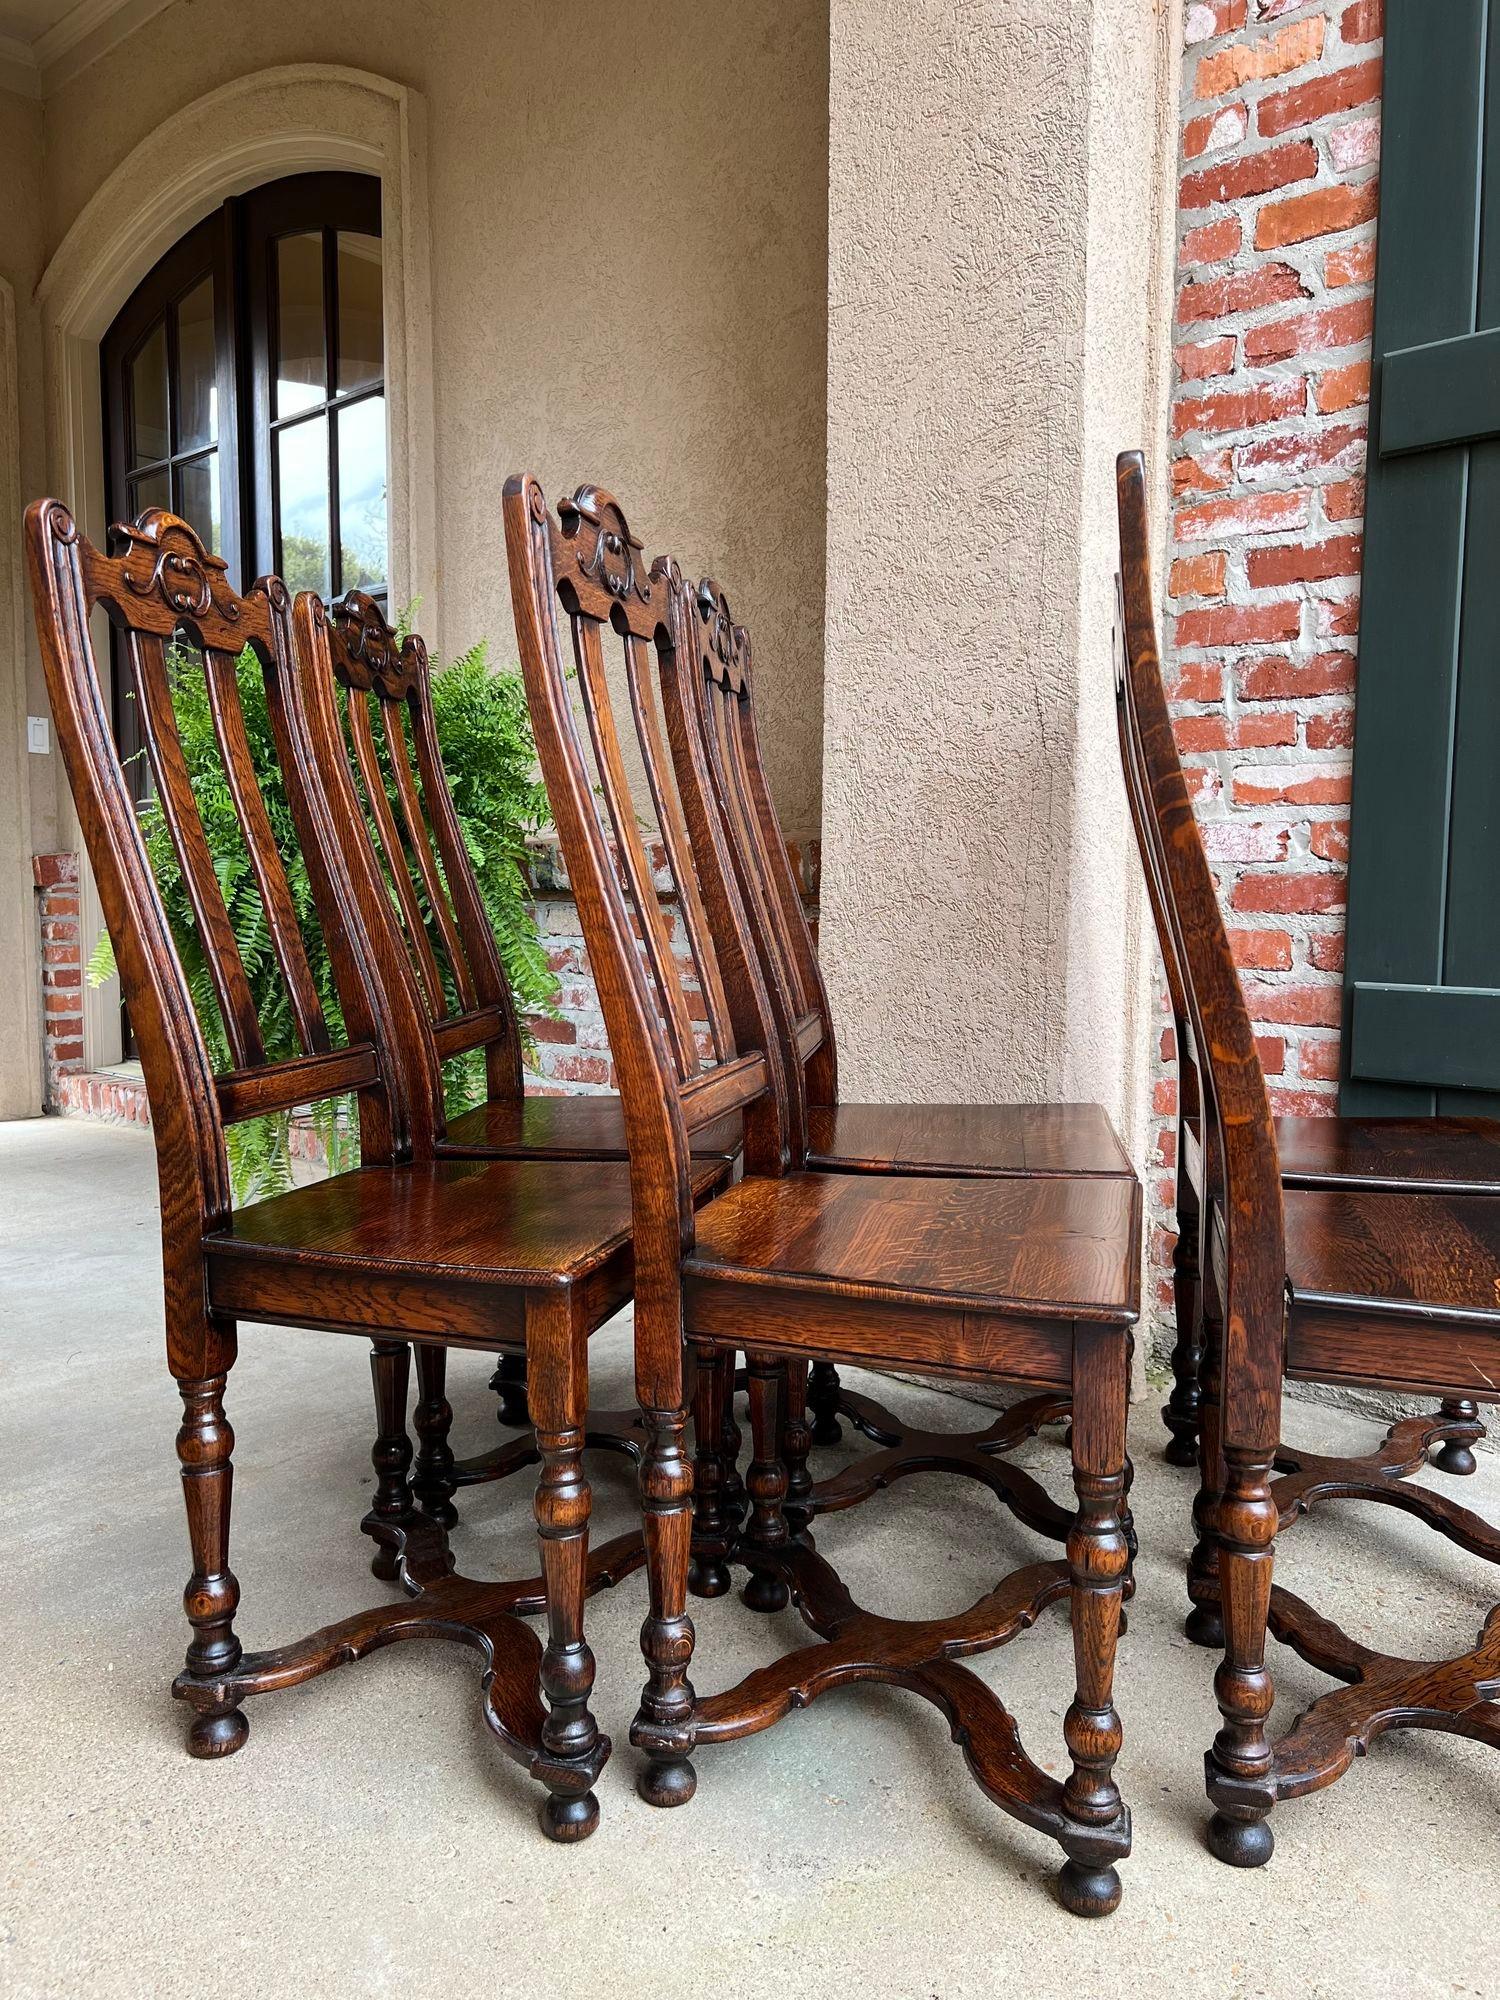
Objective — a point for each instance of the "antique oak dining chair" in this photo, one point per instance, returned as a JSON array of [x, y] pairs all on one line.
[[1031, 1280], [949, 1140], [390, 738], [494, 1255], [1383, 1288]]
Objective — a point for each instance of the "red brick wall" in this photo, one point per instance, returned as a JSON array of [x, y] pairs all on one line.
[[56, 878], [1276, 241]]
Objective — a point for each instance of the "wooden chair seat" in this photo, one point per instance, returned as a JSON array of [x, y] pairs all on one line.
[[953, 1140], [561, 1128], [1051, 1248], [1429, 1262], [445, 1239], [1440, 1155]]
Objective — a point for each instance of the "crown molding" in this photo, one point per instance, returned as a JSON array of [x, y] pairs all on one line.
[[87, 31]]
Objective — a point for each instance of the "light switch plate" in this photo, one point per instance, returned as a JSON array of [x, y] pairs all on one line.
[[38, 735]]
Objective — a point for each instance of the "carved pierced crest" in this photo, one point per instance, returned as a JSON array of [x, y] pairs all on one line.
[[603, 548], [725, 645], [365, 650]]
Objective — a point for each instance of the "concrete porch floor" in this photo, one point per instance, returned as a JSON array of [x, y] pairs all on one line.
[[371, 1839]]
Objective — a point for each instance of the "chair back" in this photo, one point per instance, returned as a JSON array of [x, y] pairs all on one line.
[[767, 882], [583, 569], [1241, 1182], [393, 743], [183, 631]]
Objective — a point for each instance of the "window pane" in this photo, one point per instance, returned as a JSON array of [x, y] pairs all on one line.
[[361, 328], [301, 371], [302, 493], [155, 490], [197, 388], [362, 494], [198, 499], [148, 398]]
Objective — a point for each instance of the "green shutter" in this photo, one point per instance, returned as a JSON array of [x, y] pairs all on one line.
[[1422, 980]]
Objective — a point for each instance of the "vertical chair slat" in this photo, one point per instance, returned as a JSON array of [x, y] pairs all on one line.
[[421, 849], [606, 743], [146, 652], [363, 738], [674, 837], [260, 842]]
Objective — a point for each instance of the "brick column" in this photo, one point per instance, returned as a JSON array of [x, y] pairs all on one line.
[[56, 878], [1276, 257]]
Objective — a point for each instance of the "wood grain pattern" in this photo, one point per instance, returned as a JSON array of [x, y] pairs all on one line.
[[1018, 1277], [527, 1256], [1367, 1271]]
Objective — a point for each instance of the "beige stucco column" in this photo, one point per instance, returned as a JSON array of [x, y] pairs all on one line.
[[998, 328]]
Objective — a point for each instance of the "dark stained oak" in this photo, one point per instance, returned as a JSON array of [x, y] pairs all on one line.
[[965, 1139], [519, 1257], [1349, 1265], [1050, 1248], [1018, 1277], [1435, 1155], [584, 1128]]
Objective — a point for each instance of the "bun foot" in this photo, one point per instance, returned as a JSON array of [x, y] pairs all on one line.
[[1088, 1892], [766, 1593], [827, 1430], [1204, 1625], [385, 1565], [1455, 1457], [569, 1816], [442, 1512], [1181, 1449], [218, 1735], [667, 1782], [708, 1577], [1240, 1843]]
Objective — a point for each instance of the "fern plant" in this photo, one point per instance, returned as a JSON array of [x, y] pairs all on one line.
[[485, 734]]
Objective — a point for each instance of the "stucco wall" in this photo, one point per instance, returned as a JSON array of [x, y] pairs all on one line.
[[28, 796], [998, 186], [628, 265]]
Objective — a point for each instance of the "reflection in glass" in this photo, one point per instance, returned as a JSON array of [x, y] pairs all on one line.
[[155, 490], [148, 398], [198, 499], [197, 389], [362, 494], [302, 495], [361, 350], [301, 373]]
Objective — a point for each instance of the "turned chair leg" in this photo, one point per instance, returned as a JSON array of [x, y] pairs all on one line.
[[1182, 1412], [796, 1443], [390, 1372], [433, 1482], [1098, 1563], [1239, 1766], [708, 1572], [823, 1402], [766, 1529], [205, 1448], [573, 1752], [509, 1384], [1204, 1624], [663, 1725], [1454, 1454]]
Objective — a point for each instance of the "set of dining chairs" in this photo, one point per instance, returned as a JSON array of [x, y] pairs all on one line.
[[744, 1209]]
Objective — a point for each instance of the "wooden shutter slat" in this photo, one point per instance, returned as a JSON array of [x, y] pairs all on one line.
[[1447, 1037], [1446, 392]]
